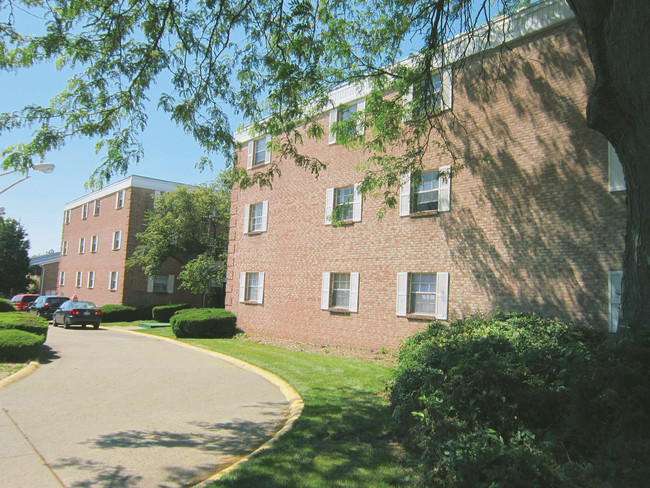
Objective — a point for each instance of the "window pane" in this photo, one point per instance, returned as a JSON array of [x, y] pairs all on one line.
[[256, 218], [422, 293], [425, 195], [260, 152], [347, 112], [160, 284], [344, 201], [252, 280], [341, 290]]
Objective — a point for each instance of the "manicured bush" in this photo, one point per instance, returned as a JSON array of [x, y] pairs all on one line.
[[25, 322], [204, 323], [17, 346], [519, 400], [118, 313], [162, 313], [144, 312], [6, 306]]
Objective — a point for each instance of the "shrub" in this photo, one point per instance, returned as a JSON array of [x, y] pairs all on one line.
[[25, 322], [144, 312], [118, 313], [162, 313], [18, 346], [204, 323], [519, 400], [6, 306]]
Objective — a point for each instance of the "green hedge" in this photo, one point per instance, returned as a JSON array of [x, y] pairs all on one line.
[[204, 323], [18, 346], [25, 322], [519, 400], [119, 313], [6, 306], [162, 313]]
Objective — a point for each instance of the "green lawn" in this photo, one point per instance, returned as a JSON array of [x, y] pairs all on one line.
[[343, 437]]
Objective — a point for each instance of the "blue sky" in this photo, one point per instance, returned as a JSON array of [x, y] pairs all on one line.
[[38, 202]]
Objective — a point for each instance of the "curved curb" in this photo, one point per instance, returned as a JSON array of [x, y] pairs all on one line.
[[293, 397], [21, 373]]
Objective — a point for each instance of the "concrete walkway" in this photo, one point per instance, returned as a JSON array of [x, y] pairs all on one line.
[[113, 409]]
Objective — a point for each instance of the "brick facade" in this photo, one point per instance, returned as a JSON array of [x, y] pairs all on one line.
[[532, 224], [122, 208]]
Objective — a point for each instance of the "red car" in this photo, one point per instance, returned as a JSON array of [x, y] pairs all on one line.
[[22, 301]]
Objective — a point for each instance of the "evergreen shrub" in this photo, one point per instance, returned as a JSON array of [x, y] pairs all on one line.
[[18, 346], [519, 400], [162, 313], [6, 306], [25, 322], [204, 323], [119, 313]]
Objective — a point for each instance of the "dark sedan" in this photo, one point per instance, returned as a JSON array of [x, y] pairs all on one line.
[[75, 312], [44, 306]]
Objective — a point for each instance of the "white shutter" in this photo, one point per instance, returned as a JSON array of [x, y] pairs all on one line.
[[325, 292], [405, 195], [329, 205], [361, 106], [247, 216], [333, 118], [354, 292], [242, 286], [267, 151], [170, 283], [150, 284], [265, 214], [251, 154], [447, 89], [356, 206], [616, 176], [442, 292], [615, 287], [402, 295], [260, 287], [113, 244], [444, 189]]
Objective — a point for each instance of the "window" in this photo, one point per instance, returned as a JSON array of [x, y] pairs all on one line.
[[255, 217], [117, 240], [112, 281], [62, 278], [343, 204], [97, 206], [93, 244], [615, 286], [82, 245], [430, 192], [160, 284], [343, 113], [156, 196], [251, 287], [340, 291], [91, 279], [84, 211], [119, 199], [78, 279], [432, 95], [258, 153], [616, 176], [64, 248], [66, 216], [422, 294]]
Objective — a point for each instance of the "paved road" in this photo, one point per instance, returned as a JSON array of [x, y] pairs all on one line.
[[113, 409]]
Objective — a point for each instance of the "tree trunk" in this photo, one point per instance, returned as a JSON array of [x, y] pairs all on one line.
[[618, 39]]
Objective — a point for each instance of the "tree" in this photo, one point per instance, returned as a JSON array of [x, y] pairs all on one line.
[[276, 64], [189, 225], [14, 258]]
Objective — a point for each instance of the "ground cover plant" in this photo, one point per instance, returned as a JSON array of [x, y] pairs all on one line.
[[343, 437], [6, 306], [19, 346], [517, 400], [25, 322], [162, 313], [204, 323]]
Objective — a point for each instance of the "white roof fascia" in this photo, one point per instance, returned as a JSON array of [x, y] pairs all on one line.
[[132, 181], [527, 21]]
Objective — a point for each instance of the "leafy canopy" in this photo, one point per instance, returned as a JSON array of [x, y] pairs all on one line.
[[14, 247]]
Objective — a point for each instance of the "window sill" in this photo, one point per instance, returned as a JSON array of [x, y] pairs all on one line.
[[427, 213], [255, 233], [258, 166], [249, 302], [338, 311], [420, 317], [342, 223]]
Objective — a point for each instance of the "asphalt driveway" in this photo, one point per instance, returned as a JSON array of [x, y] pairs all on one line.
[[112, 409]]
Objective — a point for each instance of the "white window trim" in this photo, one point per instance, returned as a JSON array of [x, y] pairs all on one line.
[[251, 153], [326, 292], [120, 196], [93, 244], [357, 204], [96, 207], [615, 169], [91, 280], [62, 278], [260, 287], [442, 295], [64, 248], [84, 211], [615, 287], [117, 233], [67, 216], [170, 284], [334, 117], [446, 79], [247, 217], [82, 245], [444, 192], [110, 280], [78, 281]]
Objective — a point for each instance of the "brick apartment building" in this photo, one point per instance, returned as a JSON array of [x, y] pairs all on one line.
[[537, 227], [98, 237]]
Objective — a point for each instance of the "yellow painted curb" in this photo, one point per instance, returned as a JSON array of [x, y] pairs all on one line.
[[30, 368], [293, 397]]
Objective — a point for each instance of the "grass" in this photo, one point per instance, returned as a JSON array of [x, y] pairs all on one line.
[[343, 437]]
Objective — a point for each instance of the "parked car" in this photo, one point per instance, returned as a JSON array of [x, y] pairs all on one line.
[[22, 301], [44, 306], [75, 312]]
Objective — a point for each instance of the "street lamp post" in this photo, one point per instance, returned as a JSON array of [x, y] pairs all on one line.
[[42, 167]]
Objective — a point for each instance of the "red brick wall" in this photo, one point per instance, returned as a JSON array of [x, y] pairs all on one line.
[[532, 225]]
